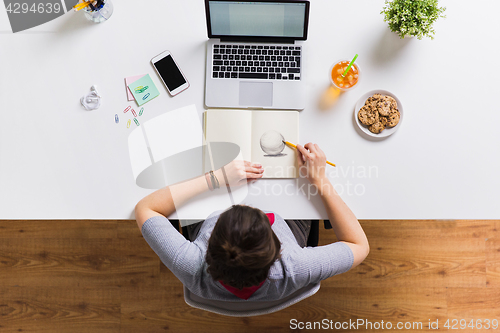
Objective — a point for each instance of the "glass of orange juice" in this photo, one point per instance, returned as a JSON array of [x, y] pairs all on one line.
[[350, 80]]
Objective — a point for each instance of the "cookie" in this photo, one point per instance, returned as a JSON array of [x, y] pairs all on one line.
[[377, 96], [393, 119], [367, 115], [376, 127], [392, 101], [371, 102], [383, 120], [384, 108]]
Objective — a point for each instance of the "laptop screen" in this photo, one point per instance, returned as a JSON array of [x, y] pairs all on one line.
[[258, 19]]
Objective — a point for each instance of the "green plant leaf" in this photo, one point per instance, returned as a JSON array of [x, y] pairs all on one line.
[[412, 17]]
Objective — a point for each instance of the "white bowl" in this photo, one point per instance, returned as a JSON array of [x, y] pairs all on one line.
[[386, 132]]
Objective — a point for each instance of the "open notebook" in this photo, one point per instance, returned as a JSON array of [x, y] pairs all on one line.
[[260, 135]]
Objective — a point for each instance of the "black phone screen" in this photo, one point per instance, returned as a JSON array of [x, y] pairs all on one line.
[[170, 73]]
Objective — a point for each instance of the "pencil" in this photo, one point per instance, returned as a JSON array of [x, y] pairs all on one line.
[[294, 146], [82, 5]]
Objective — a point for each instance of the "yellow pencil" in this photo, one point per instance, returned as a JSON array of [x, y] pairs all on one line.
[[294, 146], [82, 5]]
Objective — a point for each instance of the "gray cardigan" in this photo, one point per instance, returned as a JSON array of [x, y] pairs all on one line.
[[298, 267]]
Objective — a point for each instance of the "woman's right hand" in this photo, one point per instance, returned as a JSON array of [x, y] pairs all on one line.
[[312, 163]]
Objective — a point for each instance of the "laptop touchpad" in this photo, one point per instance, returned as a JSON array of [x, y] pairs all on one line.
[[256, 93]]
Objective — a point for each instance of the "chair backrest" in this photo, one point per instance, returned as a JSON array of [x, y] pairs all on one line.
[[248, 308]]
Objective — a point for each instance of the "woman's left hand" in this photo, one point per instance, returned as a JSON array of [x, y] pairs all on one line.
[[239, 172]]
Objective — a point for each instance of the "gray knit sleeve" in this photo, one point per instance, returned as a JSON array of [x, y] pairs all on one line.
[[314, 264], [181, 256]]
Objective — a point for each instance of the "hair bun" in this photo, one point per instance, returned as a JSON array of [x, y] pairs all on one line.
[[233, 254]]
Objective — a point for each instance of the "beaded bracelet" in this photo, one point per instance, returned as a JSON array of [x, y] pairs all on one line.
[[209, 183], [215, 181]]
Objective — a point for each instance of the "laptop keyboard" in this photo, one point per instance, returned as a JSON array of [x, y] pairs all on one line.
[[265, 62]]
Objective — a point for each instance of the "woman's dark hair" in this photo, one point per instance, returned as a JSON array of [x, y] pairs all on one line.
[[242, 247]]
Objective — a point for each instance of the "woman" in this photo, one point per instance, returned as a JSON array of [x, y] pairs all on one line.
[[244, 253]]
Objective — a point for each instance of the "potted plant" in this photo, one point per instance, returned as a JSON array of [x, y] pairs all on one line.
[[412, 17]]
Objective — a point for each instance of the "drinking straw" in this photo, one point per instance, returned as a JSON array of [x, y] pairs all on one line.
[[350, 64]]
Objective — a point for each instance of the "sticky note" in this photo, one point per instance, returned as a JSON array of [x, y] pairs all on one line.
[[129, 80], [143, 90]]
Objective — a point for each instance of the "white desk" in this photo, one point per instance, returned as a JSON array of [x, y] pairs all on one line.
[[58, 161]]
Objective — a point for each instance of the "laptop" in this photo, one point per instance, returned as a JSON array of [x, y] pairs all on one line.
[[254, 54]]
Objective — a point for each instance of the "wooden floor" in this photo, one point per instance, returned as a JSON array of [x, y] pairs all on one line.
[[101, 276]]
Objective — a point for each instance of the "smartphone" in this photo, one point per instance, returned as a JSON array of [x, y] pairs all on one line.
[[170, 73]]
